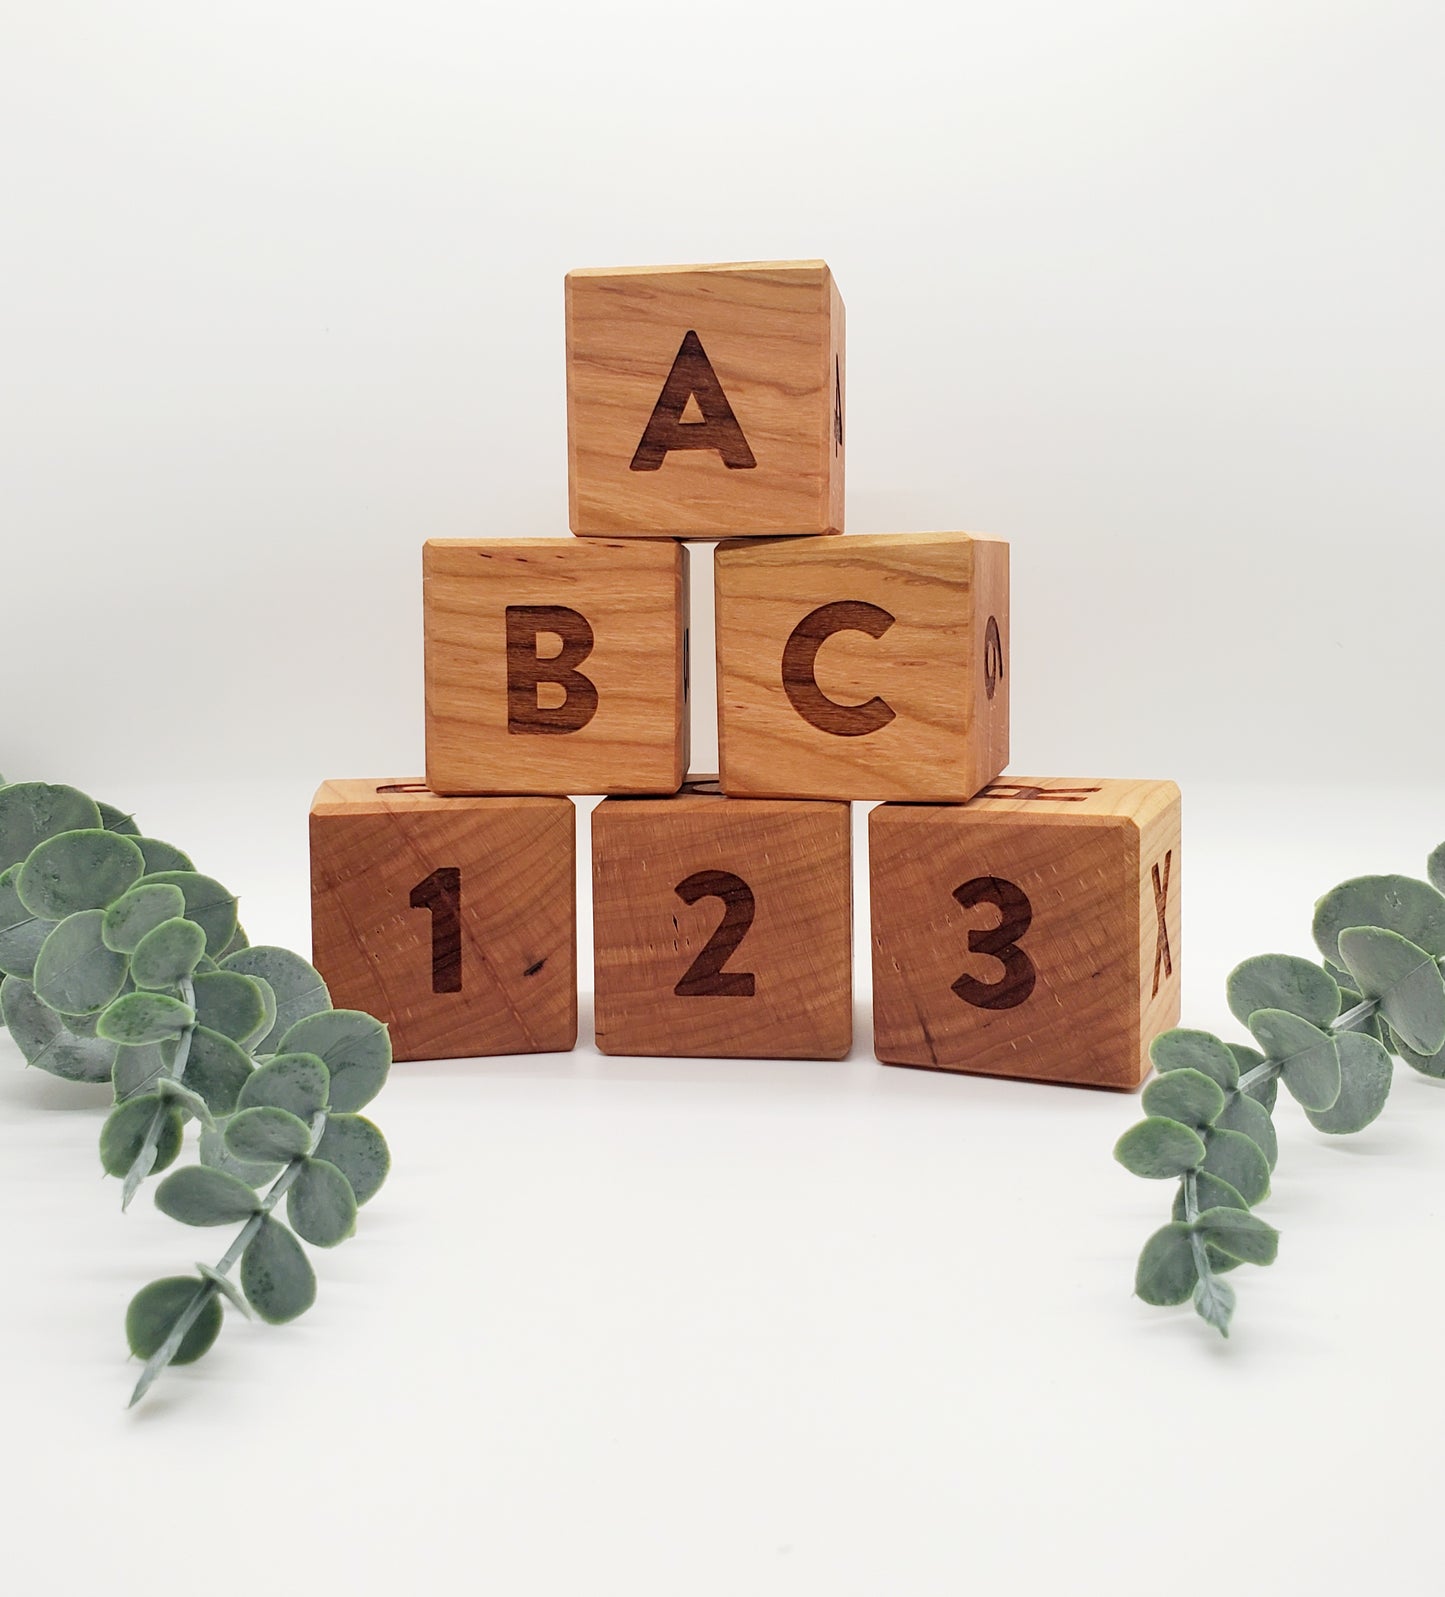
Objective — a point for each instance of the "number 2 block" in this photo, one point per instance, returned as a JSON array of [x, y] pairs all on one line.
[[454, 920], [723, 927], [1032, 932]]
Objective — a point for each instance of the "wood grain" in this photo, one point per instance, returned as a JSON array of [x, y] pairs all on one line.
[[1019, 934], [454, 920], [772, 334], [904, 635], [722, 927], [497, 722]]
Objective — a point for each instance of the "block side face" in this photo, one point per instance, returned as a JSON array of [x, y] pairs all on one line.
[[835, 438], [496, 613], [846, 668], [1036, 922], [667, 906], [989, 742], [455, 926], [1161, 919], [735, 353]]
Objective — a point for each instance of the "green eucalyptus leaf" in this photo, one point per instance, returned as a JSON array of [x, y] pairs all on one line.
[[295, 1082], [1366, 1075], [155, 1310], [114, 820], [1266, 1089], [276, 1275], [198, 1196], [239, 941], [21, 933], [1188, 1096], [1436, 868], [1239, 1234], [1249, 1117], [183, 1098], [217, 1069], [1182, 1049], [1167, 1271], [31, 812], [1214, 1303], [211, 906], [161, 857], [46, 1042], [1209, 1193], [139, 911], [78, 870], [129, 1124], [1238, 1160], [75, 972], [144, 1018], [1413, 910], [359, 1151], [354, 1047], [1404, 977], [167, 955], [1280, 981], [321, 1205], [214, 1154], [257, 1136], [1432, 1065], [232, 1004], [298, 988], [1308, 1057], [137, 1069], [1159, 1149]]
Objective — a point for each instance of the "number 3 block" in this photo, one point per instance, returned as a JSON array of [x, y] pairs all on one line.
[[454, 920], [1033, 932], [723, 927]]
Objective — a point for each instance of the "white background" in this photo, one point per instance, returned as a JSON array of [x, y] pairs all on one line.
[[1150, 289]]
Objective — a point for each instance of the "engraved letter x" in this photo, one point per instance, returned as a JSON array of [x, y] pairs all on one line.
[[1161, 903]]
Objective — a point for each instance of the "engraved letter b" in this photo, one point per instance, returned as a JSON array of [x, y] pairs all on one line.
[[526, 670]]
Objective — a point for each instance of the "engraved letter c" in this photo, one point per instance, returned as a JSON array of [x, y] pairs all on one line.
[[800, 655]]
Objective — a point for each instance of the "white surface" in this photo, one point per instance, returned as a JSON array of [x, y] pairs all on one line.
[[1150, 289]]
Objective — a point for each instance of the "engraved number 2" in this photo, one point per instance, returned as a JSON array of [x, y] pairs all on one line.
[[705, 977], [1000, 942], [441, 893]]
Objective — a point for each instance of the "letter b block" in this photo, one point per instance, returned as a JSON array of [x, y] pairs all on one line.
[[705, 401], [723, 927], [454, 920], [555, 666], [863, 667], [1033, 932]]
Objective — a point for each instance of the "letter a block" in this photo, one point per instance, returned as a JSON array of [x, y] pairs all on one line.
[[872, 667], [555, 666], [1033, 932], [454, 920], [723, 927], [705, 401]]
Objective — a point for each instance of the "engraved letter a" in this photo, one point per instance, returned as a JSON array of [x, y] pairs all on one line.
[[692, 377]]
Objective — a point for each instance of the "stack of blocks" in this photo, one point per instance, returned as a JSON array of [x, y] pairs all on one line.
[[1020, 927]]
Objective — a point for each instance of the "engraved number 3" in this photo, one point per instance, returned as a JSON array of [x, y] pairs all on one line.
[[1016, 915]]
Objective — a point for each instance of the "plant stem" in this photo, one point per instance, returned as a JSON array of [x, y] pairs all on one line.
[[144, 1161], [206, 1290]]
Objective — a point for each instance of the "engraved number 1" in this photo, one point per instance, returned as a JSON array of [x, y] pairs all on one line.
[[441, 893]]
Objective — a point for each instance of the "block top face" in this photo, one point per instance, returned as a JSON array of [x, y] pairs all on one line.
[[406, 795], [872, 667], [705, 401], [555, 665], [1067, 800], [702, 798]]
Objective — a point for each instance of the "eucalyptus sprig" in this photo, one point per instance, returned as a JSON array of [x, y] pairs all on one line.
[[1327, 1031], [124, 964]]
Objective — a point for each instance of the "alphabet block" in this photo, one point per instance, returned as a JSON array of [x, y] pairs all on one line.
[[454, 920], [1033, 932], [705, 401], [555, 666], [863, 667], [723, 927]]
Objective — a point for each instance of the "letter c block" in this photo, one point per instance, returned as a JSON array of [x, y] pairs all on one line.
[[555, 666], [705, 401], [862, 667]]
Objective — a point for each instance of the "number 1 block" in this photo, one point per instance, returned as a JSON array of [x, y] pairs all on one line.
[[723, 926], [1032, 932], [454, 920]]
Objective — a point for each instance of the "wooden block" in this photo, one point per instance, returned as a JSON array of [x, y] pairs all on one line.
[[555, 666], [454, 920], [705, 401], [1034, 932], [872, 667], [723, 927]]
